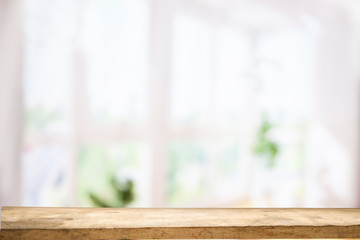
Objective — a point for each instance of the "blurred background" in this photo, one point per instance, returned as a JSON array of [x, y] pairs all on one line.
[[182, 103]]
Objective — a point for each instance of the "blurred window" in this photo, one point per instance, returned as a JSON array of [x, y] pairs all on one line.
[[88, 91]]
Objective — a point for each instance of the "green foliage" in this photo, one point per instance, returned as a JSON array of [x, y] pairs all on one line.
[[123, 194], [264, 146]]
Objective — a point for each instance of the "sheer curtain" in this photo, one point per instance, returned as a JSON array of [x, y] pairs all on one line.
[[10, 101]]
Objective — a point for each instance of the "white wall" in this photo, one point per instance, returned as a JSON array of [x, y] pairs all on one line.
[[10, 101], [333, 160]]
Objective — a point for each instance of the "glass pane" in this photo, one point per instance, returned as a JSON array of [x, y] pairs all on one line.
[[115, 40], [228, 182], [45, 175], [192, 71], [98, 164], [279, 180], [285, 69], [232, 88], [291, 138], [186, 172], [48, 66], [50, 28]]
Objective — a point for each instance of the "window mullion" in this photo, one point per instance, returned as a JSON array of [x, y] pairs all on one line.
[[159, 101]]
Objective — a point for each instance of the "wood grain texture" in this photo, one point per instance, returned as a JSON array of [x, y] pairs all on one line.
[[150, 223]]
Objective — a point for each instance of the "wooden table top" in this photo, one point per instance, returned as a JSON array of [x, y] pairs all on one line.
[[178, 223]]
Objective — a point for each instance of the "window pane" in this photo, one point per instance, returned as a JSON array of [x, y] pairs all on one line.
[[48, 49], [48, 65], [115, 41], [232, 86], [228, 183], [124, 161], [186, 173], [285, 96], [45, 175], [192, 71], [285, 70]]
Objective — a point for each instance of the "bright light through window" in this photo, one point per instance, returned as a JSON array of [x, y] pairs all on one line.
[[229, 88]]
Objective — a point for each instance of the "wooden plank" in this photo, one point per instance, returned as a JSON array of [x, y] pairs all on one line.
[[147, 223]]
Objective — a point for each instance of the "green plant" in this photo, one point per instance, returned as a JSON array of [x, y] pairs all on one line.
[[123, 194], [264, 147]]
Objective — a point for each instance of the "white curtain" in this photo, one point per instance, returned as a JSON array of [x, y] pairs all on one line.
[[10, 101]]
